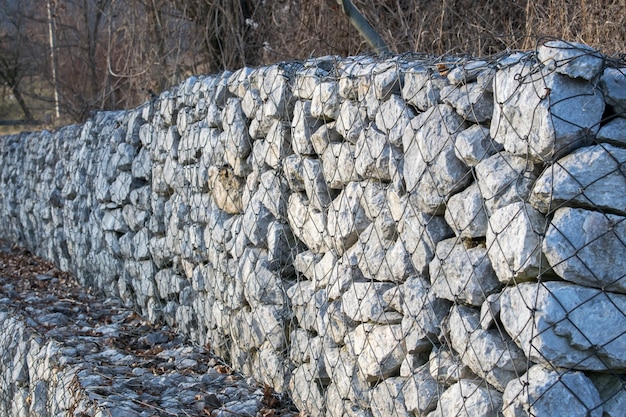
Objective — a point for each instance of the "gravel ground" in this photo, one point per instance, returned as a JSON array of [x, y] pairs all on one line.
[[125, 365]]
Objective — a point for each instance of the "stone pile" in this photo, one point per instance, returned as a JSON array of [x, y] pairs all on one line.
[[375, 237]]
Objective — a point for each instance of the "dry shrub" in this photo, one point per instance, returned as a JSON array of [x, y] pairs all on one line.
[[299, 29]]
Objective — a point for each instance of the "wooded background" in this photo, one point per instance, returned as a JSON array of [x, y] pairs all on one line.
[[113, 54]]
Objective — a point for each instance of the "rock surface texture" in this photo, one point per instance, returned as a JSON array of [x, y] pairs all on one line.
[[369, 237]]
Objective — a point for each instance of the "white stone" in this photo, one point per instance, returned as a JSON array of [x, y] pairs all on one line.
[[302, 126], [565, 325], [585, 178], [422, 88], [490, 355], [423, 312], [324, 135], [514, 240], [379, 349], [388, 398], [325, 103], [346, 217], [446, 367], [550, 392], [338, 164], [512, 184], [471, 101], [570, 58], [613, 86], [467, 398], [462, 273], [566, 112], [351, 121], [434, 171], [421, 391], [362, 301], [375, 157], [474, 144], [420, 233], [587, 247], [393, 116], [466, 214], [307, 223]]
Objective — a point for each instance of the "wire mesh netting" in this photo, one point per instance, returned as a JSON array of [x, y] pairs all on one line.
[[368, 236]]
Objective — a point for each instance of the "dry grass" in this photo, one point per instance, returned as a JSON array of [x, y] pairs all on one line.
[[298, 29]]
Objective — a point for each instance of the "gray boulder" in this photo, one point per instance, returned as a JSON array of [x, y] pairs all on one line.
[[566, 112], [578, 327], [550, 392], [468, 398], [514, 240], [578, 244], [585, 178], [570, 58], [462, 273]]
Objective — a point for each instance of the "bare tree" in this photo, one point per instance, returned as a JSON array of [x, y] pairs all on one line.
[[14, 63]]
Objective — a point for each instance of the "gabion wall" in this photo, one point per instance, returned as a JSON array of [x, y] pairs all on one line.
[[405, 236]]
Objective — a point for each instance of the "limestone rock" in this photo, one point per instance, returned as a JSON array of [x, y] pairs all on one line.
[[490, 355], [338, 164], [466, 214], [238, 143], [375, 157], [278, 146], [420, 233], [446, 367], [462, 274], [570, 58], [565, 325], [350, 122], [471, 101], [474, 144], [362, 302], [566, 111], [613, 84], [467, 72], [428, 142], [325, 103], [379, 349], [307, 223], [612, 393], [422, 88], [467, 398], [514, 240], [512, 184], [614, 132], [393, 116], [578, 244], [421, 391], [423, 314], [381, 258], [315, 183], [303, 125], [346, 217], [547, 392], [294, 172], [226, 189], [323, 136], [585, 178], [388, 398], [305, 395]]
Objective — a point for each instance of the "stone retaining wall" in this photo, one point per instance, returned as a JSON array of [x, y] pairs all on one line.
[[374, 237]]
